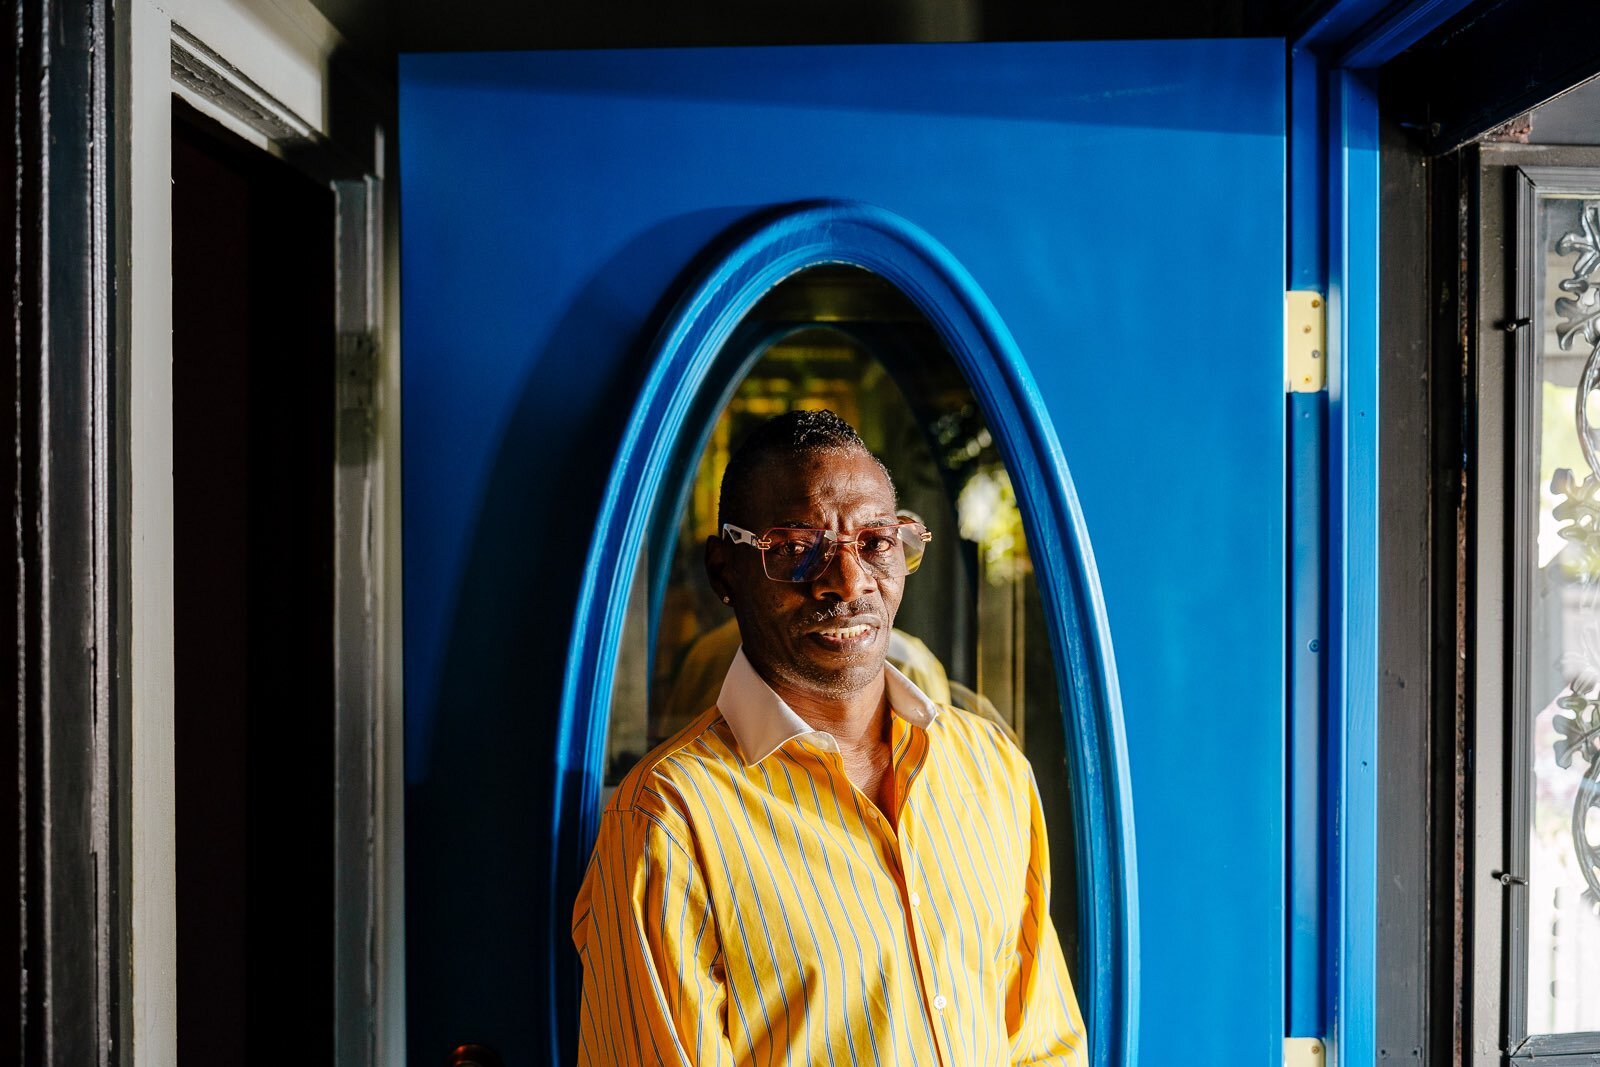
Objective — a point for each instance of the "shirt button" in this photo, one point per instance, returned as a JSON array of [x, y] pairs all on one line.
[[916, 901], [939, 1003]]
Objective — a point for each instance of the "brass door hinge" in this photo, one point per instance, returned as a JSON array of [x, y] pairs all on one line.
[[1304, 1052], [1305, 341]]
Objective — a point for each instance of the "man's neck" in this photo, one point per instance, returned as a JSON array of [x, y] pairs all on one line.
[[860, 724], [859, 721]]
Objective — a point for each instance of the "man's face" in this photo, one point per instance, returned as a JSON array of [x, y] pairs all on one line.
[[825, 638]]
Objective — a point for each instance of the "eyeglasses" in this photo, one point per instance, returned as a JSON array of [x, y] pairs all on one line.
[[801, 555]]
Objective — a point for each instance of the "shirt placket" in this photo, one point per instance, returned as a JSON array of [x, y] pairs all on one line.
[[910, 748]]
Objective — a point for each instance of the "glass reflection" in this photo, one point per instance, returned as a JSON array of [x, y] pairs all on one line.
[[1561, 672], [971, 630]]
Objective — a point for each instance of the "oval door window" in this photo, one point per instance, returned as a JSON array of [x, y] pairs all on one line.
[[971, 630], [848, 307]]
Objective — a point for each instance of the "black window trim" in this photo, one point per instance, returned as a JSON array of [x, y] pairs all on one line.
[[1505, 180]]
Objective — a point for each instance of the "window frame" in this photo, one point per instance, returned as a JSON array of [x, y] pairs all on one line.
[[1505, 181]]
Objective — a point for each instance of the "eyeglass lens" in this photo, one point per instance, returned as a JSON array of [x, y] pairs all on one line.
[[803, 555]]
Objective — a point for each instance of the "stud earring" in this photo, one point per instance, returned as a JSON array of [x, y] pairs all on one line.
[[727, 600]]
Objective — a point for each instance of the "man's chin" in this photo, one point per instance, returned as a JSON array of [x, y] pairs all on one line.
[[841, 673]]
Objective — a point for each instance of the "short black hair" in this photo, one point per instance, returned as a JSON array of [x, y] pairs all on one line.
[[787, 436]]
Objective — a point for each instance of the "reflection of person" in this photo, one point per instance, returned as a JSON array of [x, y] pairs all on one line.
[[826, 866]]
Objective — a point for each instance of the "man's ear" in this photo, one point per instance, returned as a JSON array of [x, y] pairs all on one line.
[[717, 567]]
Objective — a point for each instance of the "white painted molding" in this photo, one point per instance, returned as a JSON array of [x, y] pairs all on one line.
[[222, 90], [153, 811], [260, 67], [391, 948], [281, 47]]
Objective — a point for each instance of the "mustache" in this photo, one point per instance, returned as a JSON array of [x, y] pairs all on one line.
[[841, 611]]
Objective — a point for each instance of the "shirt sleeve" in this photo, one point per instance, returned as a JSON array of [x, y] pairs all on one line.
[[1041, 1008], [652, 970]]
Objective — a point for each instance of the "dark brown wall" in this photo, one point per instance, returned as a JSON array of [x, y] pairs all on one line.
[[383, 27]]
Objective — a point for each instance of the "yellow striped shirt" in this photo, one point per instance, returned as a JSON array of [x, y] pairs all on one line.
[[746, 904]]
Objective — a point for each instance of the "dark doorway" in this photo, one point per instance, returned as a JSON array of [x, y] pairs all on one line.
[[253, 345]]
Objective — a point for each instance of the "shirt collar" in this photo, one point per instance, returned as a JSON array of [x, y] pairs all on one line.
[[762, 721]]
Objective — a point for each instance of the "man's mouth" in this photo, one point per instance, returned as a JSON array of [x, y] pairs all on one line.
[[845, 633], [845, 636]]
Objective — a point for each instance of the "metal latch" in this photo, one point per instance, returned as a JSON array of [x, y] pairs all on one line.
[[1305, 342], [1304, 1052], [357, 356]]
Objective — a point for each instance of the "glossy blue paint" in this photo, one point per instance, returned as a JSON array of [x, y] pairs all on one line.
[[685, 366], [1307, 802], [1308, 782], [1353, 384], [1108, 199], [1335, 240], [1308, 172], [1365, 34]]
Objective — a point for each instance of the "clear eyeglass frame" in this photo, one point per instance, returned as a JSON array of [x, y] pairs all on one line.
[[813, 550]]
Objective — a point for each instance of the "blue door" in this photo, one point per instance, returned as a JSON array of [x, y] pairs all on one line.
[[1096, 229]]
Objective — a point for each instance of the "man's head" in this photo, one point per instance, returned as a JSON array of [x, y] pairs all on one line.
[[827, 637]]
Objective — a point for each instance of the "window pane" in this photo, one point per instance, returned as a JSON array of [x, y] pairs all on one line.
[[1561, 672]]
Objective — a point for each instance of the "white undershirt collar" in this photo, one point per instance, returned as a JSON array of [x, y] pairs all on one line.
[[762, 721]]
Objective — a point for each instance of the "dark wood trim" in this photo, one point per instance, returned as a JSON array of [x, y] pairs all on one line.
[[1451, 791], [1409, 698], [69, 540], [1489, 465], [1447, 383]]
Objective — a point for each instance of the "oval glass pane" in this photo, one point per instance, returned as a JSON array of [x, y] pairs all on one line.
[[971, 630]]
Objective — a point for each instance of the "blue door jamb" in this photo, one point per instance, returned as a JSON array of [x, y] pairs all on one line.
[[1305, 821], [1353, 559], [1335, 240], [1306, 435]]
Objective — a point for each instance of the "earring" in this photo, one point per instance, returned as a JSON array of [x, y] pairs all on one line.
[[727, 600]]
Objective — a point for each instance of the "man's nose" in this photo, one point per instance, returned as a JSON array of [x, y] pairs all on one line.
[[845, 577]]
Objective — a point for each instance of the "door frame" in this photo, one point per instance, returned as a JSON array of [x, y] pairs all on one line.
[[1336, 124], [1429, 76], [268, 74], [66, 926], [1358, 236]]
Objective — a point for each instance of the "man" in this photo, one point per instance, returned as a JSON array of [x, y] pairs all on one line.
[[825, 867]]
